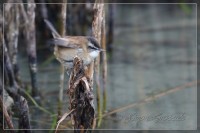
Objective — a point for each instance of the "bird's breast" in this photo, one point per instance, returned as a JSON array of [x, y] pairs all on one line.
[[67, 55], [94, 54]]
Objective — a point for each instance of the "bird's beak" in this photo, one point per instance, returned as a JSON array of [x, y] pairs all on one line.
[[103, 50]]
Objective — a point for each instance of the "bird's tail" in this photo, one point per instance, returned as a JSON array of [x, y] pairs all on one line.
[[53, 30]]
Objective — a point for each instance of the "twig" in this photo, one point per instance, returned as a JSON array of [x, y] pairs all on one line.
[[62, 118], [46, 123], [151, 98], [35, 103]]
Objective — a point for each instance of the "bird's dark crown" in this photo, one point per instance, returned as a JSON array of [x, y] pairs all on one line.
[[93, 41]]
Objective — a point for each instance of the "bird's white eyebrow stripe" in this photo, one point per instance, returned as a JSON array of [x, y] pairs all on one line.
[[91, 45]]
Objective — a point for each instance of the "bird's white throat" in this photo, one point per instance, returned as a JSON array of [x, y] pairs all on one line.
[[94, 53]]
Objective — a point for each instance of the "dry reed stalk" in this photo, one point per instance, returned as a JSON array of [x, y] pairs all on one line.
[[11, 14], [110, 28], [104, 58], [97, 32], [29, 32], [154, 97], [62, 31]]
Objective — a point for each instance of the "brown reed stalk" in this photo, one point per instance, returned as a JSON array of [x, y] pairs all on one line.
[[97, 32]]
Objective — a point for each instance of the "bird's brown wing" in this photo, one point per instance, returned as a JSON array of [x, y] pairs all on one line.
[[71, 42], [63, 42]]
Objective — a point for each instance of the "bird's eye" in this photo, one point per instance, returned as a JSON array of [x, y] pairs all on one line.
[[92, 47]]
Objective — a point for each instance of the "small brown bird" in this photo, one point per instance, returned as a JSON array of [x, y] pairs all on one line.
[[66, 48]]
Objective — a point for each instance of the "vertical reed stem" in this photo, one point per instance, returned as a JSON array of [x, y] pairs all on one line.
[[97, 32], [110, 28], [104, 69], [62, 31]]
